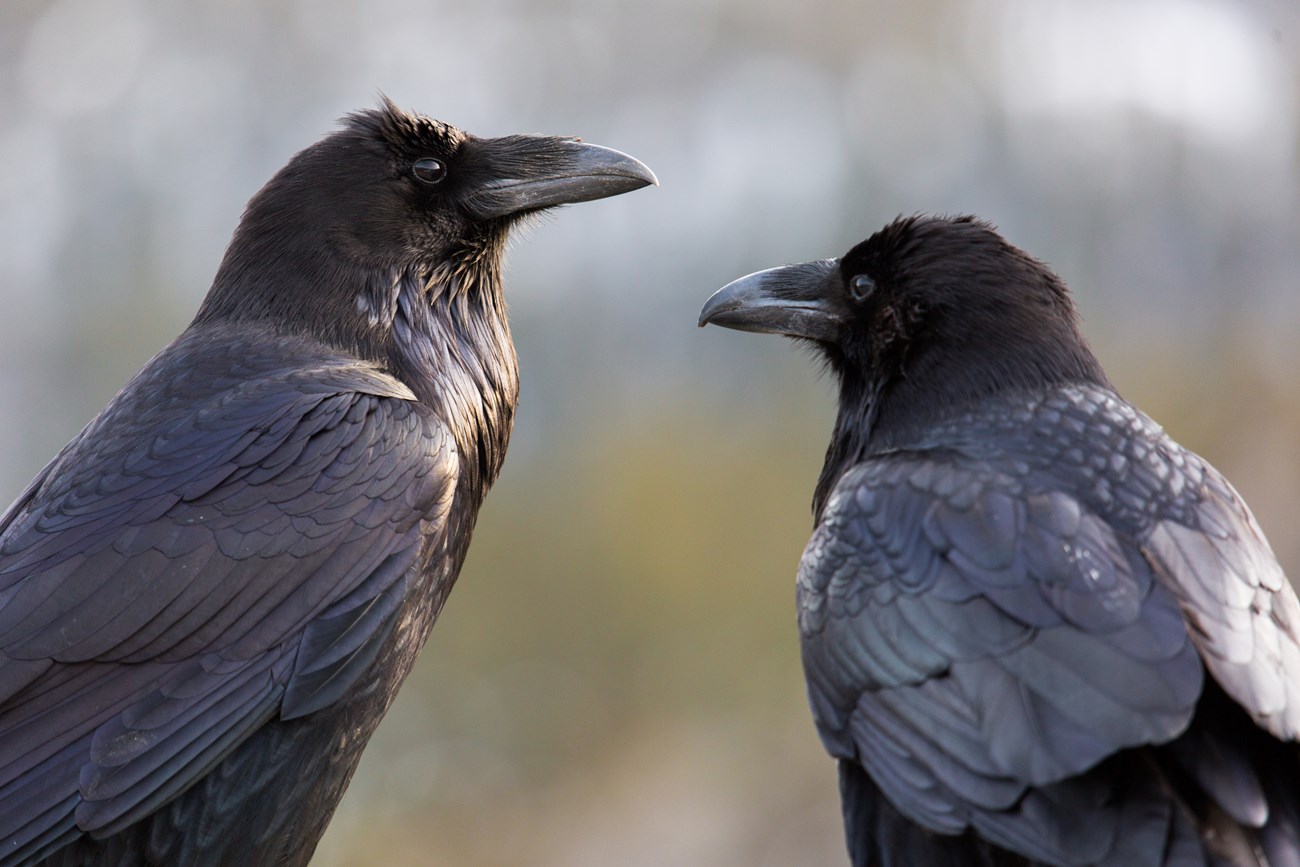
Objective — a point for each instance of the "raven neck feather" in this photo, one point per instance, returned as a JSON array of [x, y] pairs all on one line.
[[892, 401], [451, 346], [855, 422], [440, 327]]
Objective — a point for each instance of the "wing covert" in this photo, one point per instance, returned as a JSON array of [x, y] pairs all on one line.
[[1243, 613], [976, 636], [176, 581]]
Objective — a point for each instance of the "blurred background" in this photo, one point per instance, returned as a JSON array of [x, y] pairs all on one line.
[[616, 678]]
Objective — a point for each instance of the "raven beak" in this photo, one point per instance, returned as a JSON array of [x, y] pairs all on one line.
[[536, 172], [796, 300]]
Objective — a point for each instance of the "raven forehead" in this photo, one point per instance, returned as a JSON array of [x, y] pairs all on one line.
[[907, 235], [406, 131]]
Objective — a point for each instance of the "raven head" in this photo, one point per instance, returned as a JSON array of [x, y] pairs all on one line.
[[923, 318], [924, 298], [398, 189], [395, 198], [429, 189]]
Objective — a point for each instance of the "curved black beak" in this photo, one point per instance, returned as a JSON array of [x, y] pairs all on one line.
[[796, 300], [536, 172]]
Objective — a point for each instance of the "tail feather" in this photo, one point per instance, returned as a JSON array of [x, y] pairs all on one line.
[[879, 836], [1279, 839], [1242, 784]]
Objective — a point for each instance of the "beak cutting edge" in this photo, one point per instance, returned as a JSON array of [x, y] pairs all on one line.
[[794, 300], [565, 172]]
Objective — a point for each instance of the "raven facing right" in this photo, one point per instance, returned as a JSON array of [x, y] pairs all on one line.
[[1035, 629], [210, 597]]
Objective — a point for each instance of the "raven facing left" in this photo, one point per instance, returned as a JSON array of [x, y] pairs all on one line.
[[210, 597], [1035, 629]]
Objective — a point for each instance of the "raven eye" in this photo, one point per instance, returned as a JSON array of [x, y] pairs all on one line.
[[861, 286], [429, 170]]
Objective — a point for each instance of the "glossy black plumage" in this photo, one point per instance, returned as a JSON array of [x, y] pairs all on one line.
[[209, 598], [1035, 629]]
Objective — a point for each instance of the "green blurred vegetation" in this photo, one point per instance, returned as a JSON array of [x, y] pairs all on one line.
[[624, 622]]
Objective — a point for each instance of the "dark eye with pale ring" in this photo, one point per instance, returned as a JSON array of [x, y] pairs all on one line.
[[861, 286], [429, 170]]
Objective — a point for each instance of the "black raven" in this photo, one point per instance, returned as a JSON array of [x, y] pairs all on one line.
[[1035, 629], [210, 597]]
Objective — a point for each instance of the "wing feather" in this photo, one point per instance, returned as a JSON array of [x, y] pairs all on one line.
[[184, 572], [977, 637], [1242, 611]]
